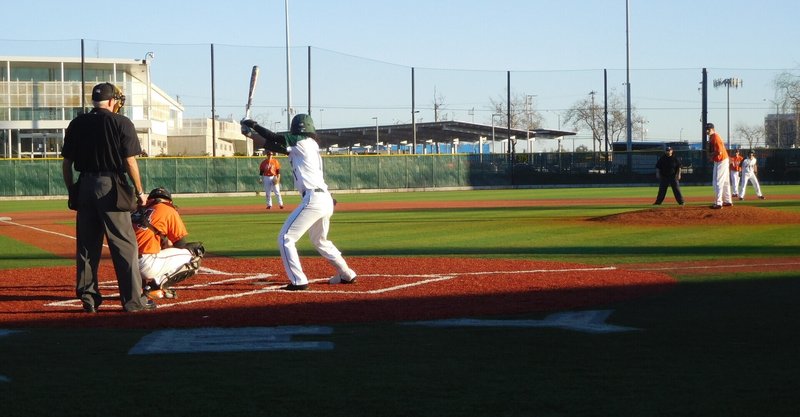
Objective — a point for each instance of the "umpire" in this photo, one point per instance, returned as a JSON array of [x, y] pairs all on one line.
[[668, 172], [102, 144]]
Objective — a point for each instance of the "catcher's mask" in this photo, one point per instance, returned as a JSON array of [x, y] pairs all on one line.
[[303, 124], [160, 193], [107, 91]]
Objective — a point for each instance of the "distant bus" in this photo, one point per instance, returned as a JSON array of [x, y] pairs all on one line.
[[643, 155], [650, 146]]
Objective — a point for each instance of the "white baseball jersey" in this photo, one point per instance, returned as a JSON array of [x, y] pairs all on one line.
[[306, 163], [749, 165]]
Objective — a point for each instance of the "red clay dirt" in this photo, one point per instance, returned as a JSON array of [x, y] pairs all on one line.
[[245, 292]]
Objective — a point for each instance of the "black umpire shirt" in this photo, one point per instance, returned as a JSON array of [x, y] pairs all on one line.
[[668, 166], [100, 141]]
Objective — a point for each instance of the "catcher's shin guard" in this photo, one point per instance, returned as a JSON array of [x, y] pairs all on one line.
[[187, 270]]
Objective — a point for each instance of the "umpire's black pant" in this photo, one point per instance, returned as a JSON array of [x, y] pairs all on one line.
[[97, 218], [662, 189]]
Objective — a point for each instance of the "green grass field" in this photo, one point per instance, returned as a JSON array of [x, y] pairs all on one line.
[[716, 345]]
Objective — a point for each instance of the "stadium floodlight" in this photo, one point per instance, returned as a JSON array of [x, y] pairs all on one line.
[[728, 83]]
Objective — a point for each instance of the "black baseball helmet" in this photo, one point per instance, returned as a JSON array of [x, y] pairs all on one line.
[[161, 193]]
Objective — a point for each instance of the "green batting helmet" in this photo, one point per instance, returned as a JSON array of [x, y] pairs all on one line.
[[303, 124]]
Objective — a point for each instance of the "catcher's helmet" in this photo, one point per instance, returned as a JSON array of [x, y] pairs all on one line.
[[303, 124], [161, 193]]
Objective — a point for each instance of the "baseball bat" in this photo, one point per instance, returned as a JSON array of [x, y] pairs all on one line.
[[253, 81]]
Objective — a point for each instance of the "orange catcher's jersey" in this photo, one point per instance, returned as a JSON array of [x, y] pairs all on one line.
[[270, 167], [166, 219]]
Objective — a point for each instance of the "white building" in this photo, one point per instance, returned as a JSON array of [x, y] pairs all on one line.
[[39, 97]]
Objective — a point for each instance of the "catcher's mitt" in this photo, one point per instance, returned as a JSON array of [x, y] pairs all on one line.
[[196, 248], [275, 180]]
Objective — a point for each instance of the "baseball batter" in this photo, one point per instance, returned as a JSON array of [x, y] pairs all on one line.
[[270, 172], [314, 213], [721, 173], [749, 173]]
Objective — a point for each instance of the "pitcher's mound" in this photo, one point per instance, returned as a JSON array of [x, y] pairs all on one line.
[[704, 214]]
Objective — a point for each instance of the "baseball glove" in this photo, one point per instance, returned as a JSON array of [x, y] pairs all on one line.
[[276, 180]]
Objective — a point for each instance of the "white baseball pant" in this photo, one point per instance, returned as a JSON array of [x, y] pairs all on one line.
[[722, 182], [751, 176], [159, 266], [270, 189], [313, 216]]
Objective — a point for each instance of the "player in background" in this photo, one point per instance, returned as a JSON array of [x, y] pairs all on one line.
[[720, 179], [736, 172], [270, 175], [165, 257], [749, 173], [314, 212]]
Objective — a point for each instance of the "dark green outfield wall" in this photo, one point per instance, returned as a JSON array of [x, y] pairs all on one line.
[[42, 177]]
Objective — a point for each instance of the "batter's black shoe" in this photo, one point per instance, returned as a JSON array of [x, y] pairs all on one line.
[[293, 287], [716, 207], [727, 204]]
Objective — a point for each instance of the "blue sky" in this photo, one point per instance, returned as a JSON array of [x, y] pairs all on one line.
[[729, 37]]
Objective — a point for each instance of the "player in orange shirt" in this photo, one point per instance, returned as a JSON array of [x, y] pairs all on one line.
[[720, 178], [270, 176], [736, 172], [165, 257]]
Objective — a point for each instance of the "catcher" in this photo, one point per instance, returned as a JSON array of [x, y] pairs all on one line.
[[165, 258]]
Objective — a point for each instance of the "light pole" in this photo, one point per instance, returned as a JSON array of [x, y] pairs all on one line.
[[152, 56], [493, 141], [728, 83], [414, 130], [377, 136], [528, 105]]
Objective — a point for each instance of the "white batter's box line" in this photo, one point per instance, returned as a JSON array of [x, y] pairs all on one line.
[[77, 303], [526, 271]]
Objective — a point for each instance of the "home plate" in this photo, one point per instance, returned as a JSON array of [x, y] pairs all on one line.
[[245, 339]]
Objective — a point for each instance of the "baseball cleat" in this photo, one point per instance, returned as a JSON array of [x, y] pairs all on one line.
[[159, 293], [339, 279], [716, 207], [293, 287]]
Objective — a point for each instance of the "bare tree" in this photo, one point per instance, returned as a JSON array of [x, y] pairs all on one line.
[[787, 89], [438, 105], [752, 134], [524, 115], [588, 114]]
